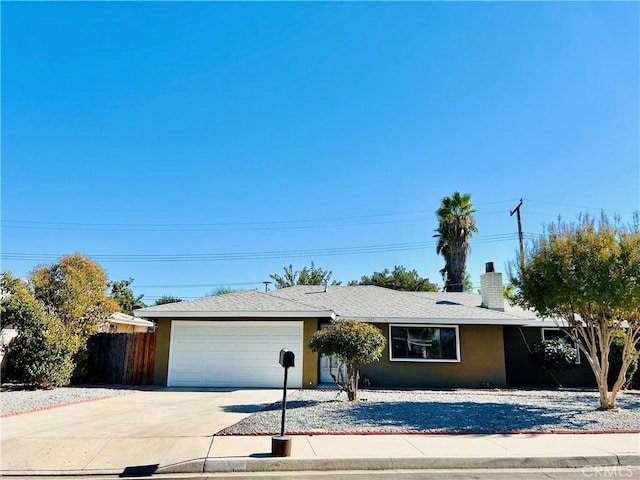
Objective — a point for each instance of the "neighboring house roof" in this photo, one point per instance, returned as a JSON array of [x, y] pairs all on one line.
[[368, 303], [125, 319]]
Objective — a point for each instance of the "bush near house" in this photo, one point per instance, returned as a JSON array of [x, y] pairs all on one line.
[[354, 343]]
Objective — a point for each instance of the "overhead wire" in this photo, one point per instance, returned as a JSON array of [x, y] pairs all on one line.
[[256, 255], [216, 226]]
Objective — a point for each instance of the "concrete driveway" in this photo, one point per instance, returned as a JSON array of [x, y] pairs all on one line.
[[146, 429]]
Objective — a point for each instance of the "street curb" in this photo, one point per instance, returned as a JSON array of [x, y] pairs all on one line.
[[228, 465], [190, 466], [257, 465]]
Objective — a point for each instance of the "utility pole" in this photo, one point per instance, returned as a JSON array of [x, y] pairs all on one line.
[[517, 210]]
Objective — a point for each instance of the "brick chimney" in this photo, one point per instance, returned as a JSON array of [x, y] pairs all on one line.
[[491, 289]]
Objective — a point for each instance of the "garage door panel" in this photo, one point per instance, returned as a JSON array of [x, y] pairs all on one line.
[[215, 346], [228, 354]]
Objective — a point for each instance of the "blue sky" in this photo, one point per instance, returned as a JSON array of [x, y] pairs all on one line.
[[197, 145]]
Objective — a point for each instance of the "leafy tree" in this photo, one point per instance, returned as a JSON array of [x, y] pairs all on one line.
[[509, 291], [43, 353], [468, 283], [456, 225], [54, 318], [221, 291], [354, 343], [307, 276], [164, 299], [122, 293], [74, 289], [588, 274], [399, 279], [19, 306]]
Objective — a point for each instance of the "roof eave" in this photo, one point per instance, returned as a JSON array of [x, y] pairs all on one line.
[[236, 314], [444, 321]]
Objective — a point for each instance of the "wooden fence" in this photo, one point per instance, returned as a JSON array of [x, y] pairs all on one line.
[[121, 358]]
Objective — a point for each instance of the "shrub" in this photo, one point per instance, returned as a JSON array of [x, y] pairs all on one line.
[[554, 354], [43, 353], [354, 343]]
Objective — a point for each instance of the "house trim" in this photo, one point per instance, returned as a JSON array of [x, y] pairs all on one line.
[[246, 314]]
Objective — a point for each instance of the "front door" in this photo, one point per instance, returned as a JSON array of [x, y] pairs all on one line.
[[330, 364]]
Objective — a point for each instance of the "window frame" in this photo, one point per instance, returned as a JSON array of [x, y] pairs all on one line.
[[558, 329], [456, 329]]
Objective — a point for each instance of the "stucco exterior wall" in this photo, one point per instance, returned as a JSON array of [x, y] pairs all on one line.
[[161, 367], [523, 371], [481, 363], [310, 361]]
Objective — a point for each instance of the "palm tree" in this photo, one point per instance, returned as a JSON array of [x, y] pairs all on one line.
[[456, 225]]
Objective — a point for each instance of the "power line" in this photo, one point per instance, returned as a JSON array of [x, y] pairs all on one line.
[[88, 227], [262, 225], [200, 285], [577, 206], [227, 228], [42, 224], [235, 256]]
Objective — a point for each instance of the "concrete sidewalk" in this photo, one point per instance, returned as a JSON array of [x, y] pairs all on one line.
[[172, 432], [391, 452]]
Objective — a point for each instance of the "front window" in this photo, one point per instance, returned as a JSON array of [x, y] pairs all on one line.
[[551, 333], [424, 343]]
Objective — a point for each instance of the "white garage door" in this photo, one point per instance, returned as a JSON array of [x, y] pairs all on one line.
[[233, 354]]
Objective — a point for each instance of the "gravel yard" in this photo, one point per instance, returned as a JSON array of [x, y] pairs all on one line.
[[480, 411], [14, 399], [393, 411]]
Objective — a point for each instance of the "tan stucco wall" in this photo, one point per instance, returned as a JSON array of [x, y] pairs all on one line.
[[309, 362], [161, 368], [481, 360]]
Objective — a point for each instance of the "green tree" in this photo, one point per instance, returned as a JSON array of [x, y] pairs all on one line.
[[354, 343], [399, 279], [468, 283], [122, 293], [65, 304], [588, 274], [456, 225], [221, 291], [509, 291], [74, 289], [164, 299], [307, 276], [44, 351]]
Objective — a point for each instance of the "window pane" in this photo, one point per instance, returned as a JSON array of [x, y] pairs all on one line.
[[448, 339], [429, 343]]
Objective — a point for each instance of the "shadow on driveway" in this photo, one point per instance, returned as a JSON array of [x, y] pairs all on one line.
[[267, 407]]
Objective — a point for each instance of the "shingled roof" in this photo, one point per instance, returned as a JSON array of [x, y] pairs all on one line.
[[368, 303]]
